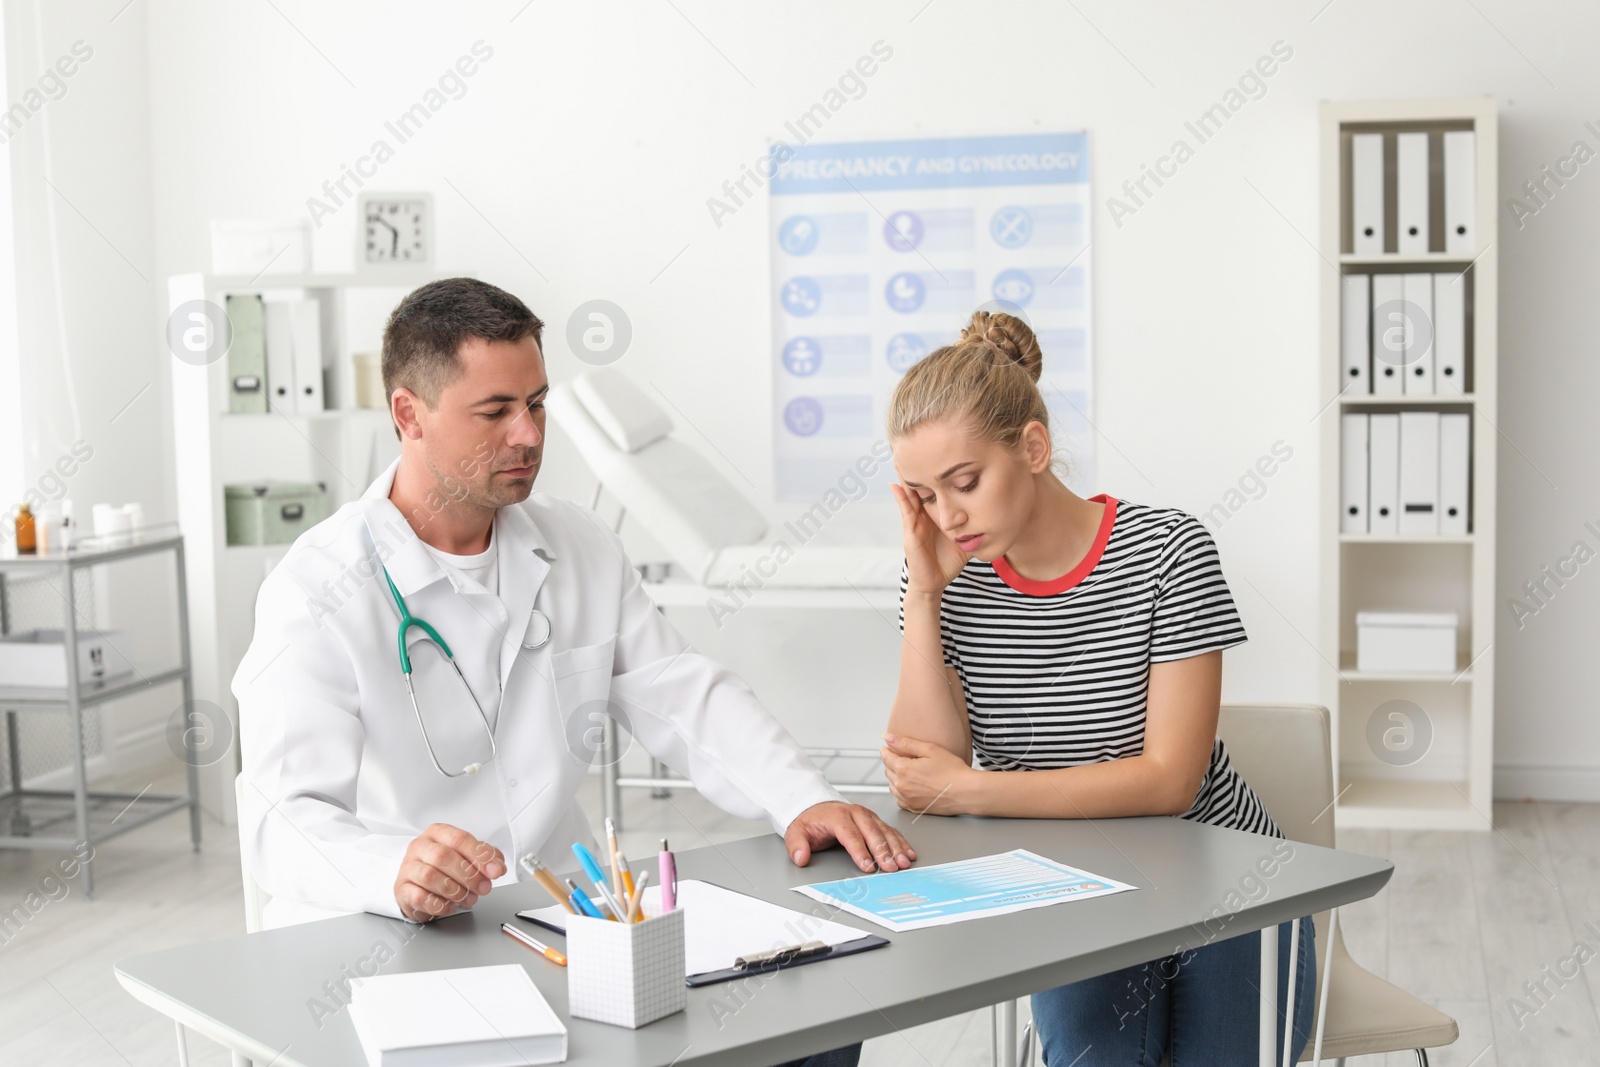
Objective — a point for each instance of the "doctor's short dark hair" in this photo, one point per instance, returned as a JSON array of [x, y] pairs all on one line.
[[426, 330]]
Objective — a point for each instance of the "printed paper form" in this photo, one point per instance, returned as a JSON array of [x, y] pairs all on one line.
[[967, 889]]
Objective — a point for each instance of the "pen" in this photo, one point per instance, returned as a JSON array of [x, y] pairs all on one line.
[[581, 900], [612, 904], [591, 867], [635, 905], [669, 878], [530, 863], [538, 946], [617, 886]]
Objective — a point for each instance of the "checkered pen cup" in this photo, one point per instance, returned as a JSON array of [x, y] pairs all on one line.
[[626, 974]]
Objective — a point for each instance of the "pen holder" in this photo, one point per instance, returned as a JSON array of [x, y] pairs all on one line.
[[627, 974]]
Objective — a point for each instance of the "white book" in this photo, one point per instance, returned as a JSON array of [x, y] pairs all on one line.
[[1353, 475], [1383, 479], [1417, 290], [1419, 473], [1411, 193], [306, 318], [278, 328], [1460, 192], [1455, 466], [1390, 323], [1356, 336], [1450, 334], [491, 1016], [1366, 193]]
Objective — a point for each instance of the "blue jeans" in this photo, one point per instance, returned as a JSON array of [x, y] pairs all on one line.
[[1203, 1006], [848, 1056]]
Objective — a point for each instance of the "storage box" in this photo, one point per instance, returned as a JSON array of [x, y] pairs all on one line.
[[38, 658], [626, 974], [273, 513], [1406, 641], [260, 246]]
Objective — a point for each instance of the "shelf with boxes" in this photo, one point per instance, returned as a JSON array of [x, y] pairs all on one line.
[[1408, 463], [1405, 332], [290, 457]]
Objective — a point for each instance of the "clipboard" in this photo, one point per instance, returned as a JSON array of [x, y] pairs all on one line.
[[764, 921], [849, 948]]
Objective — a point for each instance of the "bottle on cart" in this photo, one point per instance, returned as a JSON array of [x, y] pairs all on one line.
[[26, 543]]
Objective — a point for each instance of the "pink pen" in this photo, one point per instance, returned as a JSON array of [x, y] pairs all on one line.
[[669, 879]]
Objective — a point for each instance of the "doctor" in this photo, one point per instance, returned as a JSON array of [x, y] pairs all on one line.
[[349, 802]]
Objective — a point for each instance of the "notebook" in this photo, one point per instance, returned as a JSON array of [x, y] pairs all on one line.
[[461, 1017], [719, 925]]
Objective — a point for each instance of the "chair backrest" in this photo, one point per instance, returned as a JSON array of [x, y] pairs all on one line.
[[1284, 753], [684, 502], [255, 898]]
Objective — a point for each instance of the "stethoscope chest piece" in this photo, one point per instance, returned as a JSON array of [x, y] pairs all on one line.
[[538, 634]]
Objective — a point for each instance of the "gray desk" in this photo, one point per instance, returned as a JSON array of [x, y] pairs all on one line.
[[253, 993]]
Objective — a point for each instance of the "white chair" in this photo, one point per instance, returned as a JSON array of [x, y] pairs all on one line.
[[1284, 753], [255, 898]]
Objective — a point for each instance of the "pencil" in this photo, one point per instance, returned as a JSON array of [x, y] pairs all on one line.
[[627, 875], [530, 863], [636, 904], [616, 862]]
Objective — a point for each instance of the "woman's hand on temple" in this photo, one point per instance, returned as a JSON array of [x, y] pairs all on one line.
[[932, 558]]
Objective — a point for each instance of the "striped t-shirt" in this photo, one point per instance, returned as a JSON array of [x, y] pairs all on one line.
[[1057, 673]]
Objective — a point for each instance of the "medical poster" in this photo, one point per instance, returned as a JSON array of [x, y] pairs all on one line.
[[966, 889], [882, 250]]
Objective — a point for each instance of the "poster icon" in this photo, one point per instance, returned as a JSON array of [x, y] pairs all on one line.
[[803, 416], [903, 231], [1014, 286], [801, 297], [798, 235], [802, 356], [904, 350], [905, 292], [1011, 226]]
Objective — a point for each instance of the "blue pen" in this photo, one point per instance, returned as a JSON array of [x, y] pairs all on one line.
[[597, 875], [581, 899], [591, 866]]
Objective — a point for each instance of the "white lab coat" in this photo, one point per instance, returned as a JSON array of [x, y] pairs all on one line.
[[337, 781]]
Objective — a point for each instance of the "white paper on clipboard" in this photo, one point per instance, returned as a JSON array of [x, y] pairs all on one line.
[[720, 925]]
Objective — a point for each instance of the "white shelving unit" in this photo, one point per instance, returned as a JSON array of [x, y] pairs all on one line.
[[343, 447], [1450, 785]]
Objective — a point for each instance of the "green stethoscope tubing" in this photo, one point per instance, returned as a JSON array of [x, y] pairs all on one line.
[[408, 620]]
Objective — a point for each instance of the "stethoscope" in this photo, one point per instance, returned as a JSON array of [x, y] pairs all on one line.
[[536, 637]]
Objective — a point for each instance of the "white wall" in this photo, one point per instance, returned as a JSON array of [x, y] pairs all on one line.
[[81, 168], [579, 160]]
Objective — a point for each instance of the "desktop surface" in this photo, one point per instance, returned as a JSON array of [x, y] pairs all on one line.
[[275, 994]]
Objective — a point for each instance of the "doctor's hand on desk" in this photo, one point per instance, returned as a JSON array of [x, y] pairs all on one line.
[[869, 840], [445, 867]]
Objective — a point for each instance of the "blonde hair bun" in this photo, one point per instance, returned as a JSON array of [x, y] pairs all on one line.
[[1008, 335], [973, 382]]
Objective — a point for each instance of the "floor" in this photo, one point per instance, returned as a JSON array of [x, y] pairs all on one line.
[[1465, 922]]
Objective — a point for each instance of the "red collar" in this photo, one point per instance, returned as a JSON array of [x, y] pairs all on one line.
[[1076, 574]]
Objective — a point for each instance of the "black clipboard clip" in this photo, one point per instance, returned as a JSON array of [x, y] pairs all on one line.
[[780, 956]]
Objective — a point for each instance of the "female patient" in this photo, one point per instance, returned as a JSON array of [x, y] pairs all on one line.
[[1076, 647]]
